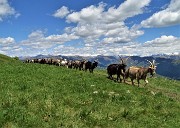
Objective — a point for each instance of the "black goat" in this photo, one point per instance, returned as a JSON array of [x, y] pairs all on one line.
[[91, 66], [117, 69]]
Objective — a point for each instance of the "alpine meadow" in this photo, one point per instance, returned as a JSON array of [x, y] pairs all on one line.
[[43, 96]]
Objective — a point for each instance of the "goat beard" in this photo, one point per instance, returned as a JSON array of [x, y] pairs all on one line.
[[152, 75]]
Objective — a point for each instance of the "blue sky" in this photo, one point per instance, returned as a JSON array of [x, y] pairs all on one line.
[[89, 27]]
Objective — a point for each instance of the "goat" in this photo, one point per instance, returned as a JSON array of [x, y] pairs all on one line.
[[70, 64], [63, 62], [91, 66], [117, 69], [140, 72], [77, 64]]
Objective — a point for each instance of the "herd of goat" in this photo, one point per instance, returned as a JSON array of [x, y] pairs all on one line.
[[120, 70], [75, 64]]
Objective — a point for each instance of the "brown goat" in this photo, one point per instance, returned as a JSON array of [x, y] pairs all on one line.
[[140, 72]]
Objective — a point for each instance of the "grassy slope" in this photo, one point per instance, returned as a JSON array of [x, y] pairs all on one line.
[[4, 58], [34, 95]]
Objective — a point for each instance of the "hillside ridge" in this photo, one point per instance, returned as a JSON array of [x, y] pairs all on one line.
[[5, 58]]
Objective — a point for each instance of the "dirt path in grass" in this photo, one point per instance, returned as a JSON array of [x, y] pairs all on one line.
[[164, 91], [155, 90]]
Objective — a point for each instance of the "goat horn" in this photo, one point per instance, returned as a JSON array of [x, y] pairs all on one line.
[[127, 58], [121, 59], [150, 62]]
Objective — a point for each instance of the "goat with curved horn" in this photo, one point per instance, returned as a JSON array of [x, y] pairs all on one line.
[[140, 72], [117, 69]]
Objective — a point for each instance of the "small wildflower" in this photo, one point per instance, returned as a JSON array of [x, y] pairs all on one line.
[[153, 93], [111, 93], [128, 91], [116, 94], [104, 92], [110, 118], [133, 101], [95, 92]]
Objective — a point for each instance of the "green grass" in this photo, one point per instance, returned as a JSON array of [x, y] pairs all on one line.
[[35, 95], [4, 58]]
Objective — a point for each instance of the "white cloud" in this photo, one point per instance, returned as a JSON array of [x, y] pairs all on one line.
[[37, 43], [61, 38], [9, 46], [127, 9], [6, 41], [7, 10], [163, 44], [98, 13], [38, 40], [115, 32], [62, 12], [89, 14], [97, 22], [163, 40], [167, 17], [38, 34]]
